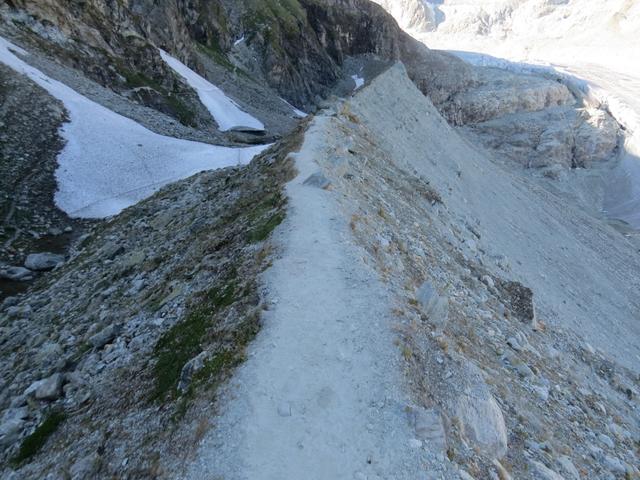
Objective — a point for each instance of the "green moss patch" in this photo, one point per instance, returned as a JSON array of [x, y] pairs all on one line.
[[34, 442], [261, 232]]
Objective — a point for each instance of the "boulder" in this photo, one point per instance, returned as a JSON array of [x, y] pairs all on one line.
[[483, 423], [19, 311], [41, 262], [16, 274], [318, 180], [434, 306], [46, 389], [12, 424], [190, 368]]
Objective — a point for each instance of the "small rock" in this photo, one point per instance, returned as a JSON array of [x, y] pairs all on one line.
[[567, 468], [614, 465], [488, 281], [606, 439], [189, 369], [541, 472], [284, 409], [40, 262], [542, 391], [514, 343], [502, 472], [465, 476], [415, 444], [19, 312], [104, 336], [10, 302], [84, 468], [524, 371], [318, 180], [428, 427]]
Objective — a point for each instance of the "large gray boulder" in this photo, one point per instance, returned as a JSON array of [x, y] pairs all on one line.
[[41, 262], [11, 425], [483, 423], [433, 305], [104, 336]]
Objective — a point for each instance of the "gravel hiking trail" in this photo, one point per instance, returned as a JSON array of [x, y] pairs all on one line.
[[321, 395]]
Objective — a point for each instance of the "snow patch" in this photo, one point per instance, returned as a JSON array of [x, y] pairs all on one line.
[[109, 161], [225, 111], [358, 80], [239, 41], [298, 113]]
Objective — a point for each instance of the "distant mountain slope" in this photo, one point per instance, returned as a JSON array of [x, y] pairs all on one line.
[[554, 30], [295, 47]]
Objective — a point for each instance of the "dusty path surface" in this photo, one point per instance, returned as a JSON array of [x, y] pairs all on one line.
[[321, 395]]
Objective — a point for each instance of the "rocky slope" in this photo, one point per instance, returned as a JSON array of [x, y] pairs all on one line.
[[506, 380], [414, 285], [128, 335]]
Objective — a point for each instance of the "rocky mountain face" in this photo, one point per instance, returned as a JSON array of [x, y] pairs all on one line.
[[412, 15], [296, 46]]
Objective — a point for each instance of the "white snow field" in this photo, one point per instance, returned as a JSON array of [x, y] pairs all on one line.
[[225, 111], [109, 161]]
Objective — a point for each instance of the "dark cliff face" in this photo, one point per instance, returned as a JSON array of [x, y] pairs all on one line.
[[296, 46]]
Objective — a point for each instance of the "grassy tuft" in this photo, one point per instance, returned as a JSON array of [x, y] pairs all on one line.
[[261, 232]]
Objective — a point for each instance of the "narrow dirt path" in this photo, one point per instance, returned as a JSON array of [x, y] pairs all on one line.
[[320, 396]]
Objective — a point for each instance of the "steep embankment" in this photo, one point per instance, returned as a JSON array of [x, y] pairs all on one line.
[[495, 368], [589, 44], [110, 364]]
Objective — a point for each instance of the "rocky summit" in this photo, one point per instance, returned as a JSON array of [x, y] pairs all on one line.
[[286, 239]]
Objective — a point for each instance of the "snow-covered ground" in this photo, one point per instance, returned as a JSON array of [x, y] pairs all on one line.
[[109, 161], [225, 111]]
